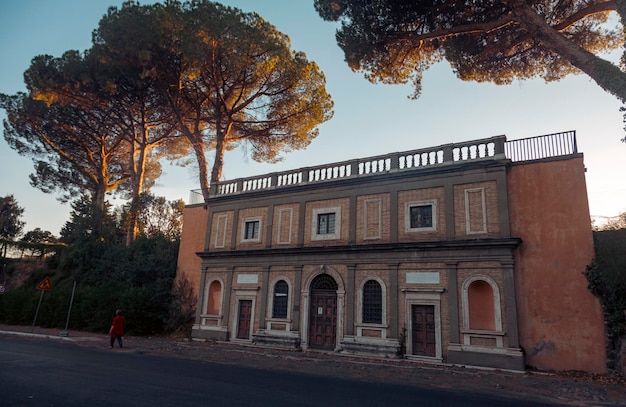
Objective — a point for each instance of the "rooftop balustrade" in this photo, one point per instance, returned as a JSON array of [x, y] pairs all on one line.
[[547, 146]]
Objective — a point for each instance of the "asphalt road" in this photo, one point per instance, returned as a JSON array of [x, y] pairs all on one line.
[[37, 372]]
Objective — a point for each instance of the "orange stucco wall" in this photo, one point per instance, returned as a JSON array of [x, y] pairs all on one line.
[[560, 322], [191, 242]]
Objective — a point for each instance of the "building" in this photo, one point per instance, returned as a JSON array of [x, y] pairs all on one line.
[[468, 253]]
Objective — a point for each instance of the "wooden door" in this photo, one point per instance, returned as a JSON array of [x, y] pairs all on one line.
[[245, 316], [323, 319], [423, 330]]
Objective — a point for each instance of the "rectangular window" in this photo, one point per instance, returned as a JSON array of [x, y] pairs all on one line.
[[421, 216], [325, 223], [252, 230]]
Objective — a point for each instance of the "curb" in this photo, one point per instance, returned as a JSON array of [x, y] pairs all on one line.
[[61, 336]]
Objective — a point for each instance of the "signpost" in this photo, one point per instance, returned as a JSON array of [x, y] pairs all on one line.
[[67, 322], [44, 286]]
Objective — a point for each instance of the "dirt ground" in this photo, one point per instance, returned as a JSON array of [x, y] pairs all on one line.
[[567, 388]]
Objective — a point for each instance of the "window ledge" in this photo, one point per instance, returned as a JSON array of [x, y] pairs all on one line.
[[482, 332]]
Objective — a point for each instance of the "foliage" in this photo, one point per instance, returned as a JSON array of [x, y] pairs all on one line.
[[182, 308], [229, 77], [65, 127], [39, 242], [157, 216], [395, 41], [88, 223], [606, 276], [401, 351], [10, 224], [614, 223], [138, 278]]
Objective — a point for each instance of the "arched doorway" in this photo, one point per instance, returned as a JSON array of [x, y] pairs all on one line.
[[323, 313]]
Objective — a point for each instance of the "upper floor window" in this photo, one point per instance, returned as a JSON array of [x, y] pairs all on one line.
[[281, 297], [372, 302], [326, 223], [421, 216], [251, 230]]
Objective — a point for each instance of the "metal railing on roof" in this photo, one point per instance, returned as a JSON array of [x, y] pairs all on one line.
[[540, 147]]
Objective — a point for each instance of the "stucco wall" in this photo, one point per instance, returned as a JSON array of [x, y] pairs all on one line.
[[560, 321], [191, 242]]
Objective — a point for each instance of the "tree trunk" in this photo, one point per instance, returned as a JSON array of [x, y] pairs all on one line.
[[218, 163], [138, 167], [608, 76], [99, 207], [198, 148]]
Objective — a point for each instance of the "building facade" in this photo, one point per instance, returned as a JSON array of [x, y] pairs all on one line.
[[468, 253]]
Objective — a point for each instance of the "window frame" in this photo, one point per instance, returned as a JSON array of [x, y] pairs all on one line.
[[275, 295], [244, 229], [369, 303], [336, 210], [434, 220]]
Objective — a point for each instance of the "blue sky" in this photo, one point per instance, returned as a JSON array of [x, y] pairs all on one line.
[[369, 119]]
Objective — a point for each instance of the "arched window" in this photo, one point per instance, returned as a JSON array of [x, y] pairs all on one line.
[[324, 282], [281, 297], [480, 300], [214, 298], [372, 302]]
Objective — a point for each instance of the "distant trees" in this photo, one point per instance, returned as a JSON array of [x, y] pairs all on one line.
[[395, 41], [11, 225], [38, 242], [613, 223]]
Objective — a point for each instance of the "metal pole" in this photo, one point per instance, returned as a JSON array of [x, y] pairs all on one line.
[[69, 311], [32, 328]]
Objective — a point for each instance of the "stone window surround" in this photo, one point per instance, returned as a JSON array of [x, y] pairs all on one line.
[[204, 318], [468, 333], [328, 236], [243, 229], [360, 325], [270, 306], [407, 216]]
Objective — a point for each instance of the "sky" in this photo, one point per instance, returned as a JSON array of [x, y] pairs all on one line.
[[369, 119]]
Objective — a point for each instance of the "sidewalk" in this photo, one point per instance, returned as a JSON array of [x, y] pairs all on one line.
[[566, 388]]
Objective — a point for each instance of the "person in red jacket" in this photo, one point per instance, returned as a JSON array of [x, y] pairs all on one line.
[[117, 329]]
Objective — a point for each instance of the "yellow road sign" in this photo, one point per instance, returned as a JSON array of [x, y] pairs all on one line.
[[45, 284]]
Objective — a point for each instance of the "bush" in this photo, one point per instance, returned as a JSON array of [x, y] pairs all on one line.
[[138, 279]]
